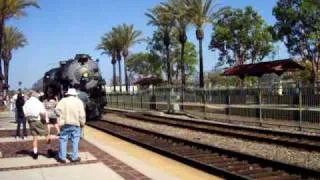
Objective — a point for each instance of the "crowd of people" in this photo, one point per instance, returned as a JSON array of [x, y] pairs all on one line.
[[66, 116]]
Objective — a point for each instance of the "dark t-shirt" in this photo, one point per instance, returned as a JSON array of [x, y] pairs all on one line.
[[19, 106]]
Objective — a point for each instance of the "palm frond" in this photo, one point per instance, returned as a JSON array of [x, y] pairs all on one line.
[[16, 8], [13, 39], [200, 11]]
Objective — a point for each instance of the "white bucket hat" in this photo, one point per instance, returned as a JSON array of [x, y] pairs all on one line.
[[33, 93], [72, 92]]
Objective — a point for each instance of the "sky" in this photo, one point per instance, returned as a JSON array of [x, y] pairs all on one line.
[[62, 28]]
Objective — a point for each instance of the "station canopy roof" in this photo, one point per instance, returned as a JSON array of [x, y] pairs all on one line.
[[151, 80], [278, 67]]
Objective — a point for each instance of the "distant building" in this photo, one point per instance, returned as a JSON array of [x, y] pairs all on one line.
[[110, 89]]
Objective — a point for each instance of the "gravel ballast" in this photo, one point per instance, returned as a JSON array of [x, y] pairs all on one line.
[[308, 159]]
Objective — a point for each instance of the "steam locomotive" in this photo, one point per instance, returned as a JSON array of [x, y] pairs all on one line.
[[82, 73]]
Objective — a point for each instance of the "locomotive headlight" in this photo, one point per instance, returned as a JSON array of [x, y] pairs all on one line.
[[85, 74]]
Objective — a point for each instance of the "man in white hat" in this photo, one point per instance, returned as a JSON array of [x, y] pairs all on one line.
[[72, 116], [35, 113]]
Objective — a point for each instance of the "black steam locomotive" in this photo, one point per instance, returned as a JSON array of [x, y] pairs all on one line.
[[81, 73]]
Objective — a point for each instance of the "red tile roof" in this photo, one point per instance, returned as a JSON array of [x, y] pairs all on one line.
[[259, 69], [148, 81]]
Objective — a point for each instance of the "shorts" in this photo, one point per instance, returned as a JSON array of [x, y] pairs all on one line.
[[53, 121], [37, 128]]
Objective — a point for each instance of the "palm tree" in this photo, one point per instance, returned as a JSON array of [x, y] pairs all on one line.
[[128, 37], [107, 45], [161, 17], [118, 49], [9, 9], [179, 9], [13, 40], [200, 12]]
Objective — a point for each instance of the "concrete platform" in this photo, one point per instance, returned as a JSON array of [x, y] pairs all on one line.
[[103, 157], [27, 161], [96, 171], [7, 121]]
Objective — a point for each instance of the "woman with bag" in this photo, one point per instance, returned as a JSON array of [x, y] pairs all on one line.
[[50, 104]]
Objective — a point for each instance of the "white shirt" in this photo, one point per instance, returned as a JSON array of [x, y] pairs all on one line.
[[14, 98], [32, 109], [71, 111]]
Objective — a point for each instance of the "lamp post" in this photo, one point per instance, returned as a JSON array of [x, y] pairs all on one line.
[[19, 84]]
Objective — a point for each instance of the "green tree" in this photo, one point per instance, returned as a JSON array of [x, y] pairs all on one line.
[[128, 37], [200, 12], [298, 26], [161, 17], [240, 35], [108, 47], [10, 9], [314, 3], [190, 62], [13, 40], [305, 76], [157, 47], [144, 64], [217, 80]]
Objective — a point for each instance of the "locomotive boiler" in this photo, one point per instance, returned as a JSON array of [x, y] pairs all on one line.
[[82, 73]]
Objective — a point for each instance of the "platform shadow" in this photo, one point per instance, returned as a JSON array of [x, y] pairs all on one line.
[[30, 153]]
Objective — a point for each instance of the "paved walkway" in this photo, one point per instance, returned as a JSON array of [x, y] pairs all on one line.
[[103, 157], [96, 171], [7, 121]]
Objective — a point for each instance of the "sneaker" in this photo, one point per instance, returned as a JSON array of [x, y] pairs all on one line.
[[35, 156], [76, 160], [17, 137], [61, 160]]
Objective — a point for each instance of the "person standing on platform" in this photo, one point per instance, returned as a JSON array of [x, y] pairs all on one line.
[[71, 117], [35, 113], [50, 103], [20, 116]]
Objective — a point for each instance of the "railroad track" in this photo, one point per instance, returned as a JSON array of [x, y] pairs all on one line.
[[300, 141], [225, 163]]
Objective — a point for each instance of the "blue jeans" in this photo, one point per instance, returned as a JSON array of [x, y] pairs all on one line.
[[21, 120], [72, 132]]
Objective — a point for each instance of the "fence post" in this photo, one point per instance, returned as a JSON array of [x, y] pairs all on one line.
[[182, 97], [204, 103], [131, 101], [141, 102], [124, 100], [117, 100], [260, 108], [170, 109], [300, 107], [228, 105]]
